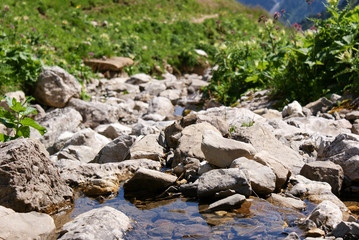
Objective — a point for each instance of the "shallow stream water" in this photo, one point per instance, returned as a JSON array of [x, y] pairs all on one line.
[[182, 218]]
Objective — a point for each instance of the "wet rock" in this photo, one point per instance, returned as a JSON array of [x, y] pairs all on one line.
[[344, 151], [80, 174], [147, 147], [281, 171], [261, 177], [55, 87], [30, 225], [222, 179], [113, 130], [83, 146], [292, 236], [97, 187], [115, 151], [221, 151], [288, 202], [148, 182], [324, 171], [326, 215], [314, 233], [29, 180], [262, 139], [346, 230], [101, 223], [188, 189], [234, 201], [95, 113], [321, 105], [56, 122], [191, 140]]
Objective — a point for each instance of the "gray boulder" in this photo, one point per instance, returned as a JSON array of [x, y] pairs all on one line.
[[344, 150], [326, 215], [147, 147], [324, 171], [321, 105], [55, 87], [293, 108], [261, 177], [56, 122], [281, 171], [346, 230], [222, 179], [231, 202], [26, 226], [113, 130], [147, 182], [161, 106], [221, 151], [29, 180], [262, 139], [115, 151], [287, 202], [95, 113], [191, 141], [100, 223]]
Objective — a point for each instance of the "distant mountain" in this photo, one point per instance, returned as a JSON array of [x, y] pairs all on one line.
[[296, 10]]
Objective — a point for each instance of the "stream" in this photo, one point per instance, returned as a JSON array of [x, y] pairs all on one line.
[[183, 218]]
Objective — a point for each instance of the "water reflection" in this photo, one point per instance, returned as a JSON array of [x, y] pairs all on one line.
[[182, 218]]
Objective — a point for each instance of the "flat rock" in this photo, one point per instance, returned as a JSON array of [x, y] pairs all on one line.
[[26, 226], [111, 64], [100, 223], [147, 147], [29, 180], [221, 151], [287, 202], [148, 182], [115, 151], [234, 201], [113, 130], [222, 179]]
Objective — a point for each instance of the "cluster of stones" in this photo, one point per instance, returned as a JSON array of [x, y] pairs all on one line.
[[219, 155]]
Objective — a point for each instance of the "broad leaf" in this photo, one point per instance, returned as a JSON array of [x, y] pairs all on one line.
[[31, 123]]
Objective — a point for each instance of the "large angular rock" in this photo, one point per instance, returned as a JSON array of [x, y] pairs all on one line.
[[29, 180], [281, 171], [147, 182], [346, 230], [56, 122], [147, 147], [261, 177], [261, 138], [191, 141], [115, 151], [314, 191], [344, 150], [100, 223], [293, 108], [321, 105], [218, 180], [95, 113], [325, 171], [30, 225], [83, 146], [326, 214], [221, 151], [55, 87], [234, 201], [161, 106], [81, 174]]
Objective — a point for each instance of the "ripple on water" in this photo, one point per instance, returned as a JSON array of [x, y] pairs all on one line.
[[183, 219]]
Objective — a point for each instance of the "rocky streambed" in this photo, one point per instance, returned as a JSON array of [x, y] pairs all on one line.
[[124, 166]]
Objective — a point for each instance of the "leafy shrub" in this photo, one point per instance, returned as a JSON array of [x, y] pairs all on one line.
[[17, 119]]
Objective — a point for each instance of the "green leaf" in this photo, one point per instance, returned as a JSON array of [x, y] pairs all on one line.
[[349, 39], [31, 123], [23, 131], [253, 79]]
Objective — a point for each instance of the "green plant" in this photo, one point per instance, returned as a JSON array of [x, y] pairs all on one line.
[[16, 119]]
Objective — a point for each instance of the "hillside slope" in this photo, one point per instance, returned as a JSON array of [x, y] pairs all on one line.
[[151, 32]]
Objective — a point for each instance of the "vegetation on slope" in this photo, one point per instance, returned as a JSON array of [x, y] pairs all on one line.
[[151, 32]]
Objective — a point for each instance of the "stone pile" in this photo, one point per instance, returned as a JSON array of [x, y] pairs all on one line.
[[219, 155]]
